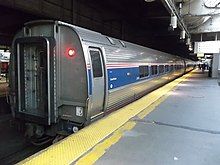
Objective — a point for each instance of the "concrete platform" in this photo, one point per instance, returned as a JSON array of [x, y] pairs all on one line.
[[184, 129]]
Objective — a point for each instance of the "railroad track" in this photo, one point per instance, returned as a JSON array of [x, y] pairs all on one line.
[[20, 154], [13, 146]]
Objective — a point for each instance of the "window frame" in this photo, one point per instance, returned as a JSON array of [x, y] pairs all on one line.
[[145, 69], [154, 69], [93, 64], [159, 69], [167, 69], [171, 68]]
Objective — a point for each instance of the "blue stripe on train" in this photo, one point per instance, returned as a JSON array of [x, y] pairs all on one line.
[[90, 81], [118, 77]]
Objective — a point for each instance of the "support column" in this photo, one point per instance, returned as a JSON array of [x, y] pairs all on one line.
[[216, 65]]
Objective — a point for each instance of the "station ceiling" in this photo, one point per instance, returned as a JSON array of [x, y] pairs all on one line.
[[137, 21]]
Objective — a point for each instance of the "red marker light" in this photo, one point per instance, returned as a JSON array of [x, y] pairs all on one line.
[[71, 52]]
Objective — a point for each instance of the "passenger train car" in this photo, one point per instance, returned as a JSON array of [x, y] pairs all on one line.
[[4, 62], [62, 77]]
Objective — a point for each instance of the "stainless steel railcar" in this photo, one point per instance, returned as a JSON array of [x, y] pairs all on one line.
[[62, 76]]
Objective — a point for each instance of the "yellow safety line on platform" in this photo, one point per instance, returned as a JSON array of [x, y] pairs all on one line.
[[76, 145], [99, 150]]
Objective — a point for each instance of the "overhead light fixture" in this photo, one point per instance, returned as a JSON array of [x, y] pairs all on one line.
[[173, 21], [188, 41], [182, 34], [180, 8], [190, 47], [180, 5]]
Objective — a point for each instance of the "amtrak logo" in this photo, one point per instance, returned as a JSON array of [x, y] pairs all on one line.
[[113, 79]]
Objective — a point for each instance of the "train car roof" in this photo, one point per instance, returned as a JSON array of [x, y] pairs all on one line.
[[96, 37]]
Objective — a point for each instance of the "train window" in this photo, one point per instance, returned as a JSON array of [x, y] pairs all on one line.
[[96, 63], [161, 69], [166, 68], [122, 43], [154, 70], [175, 67], [111, 40], [179, 67], [143, 71], [171, 68]]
